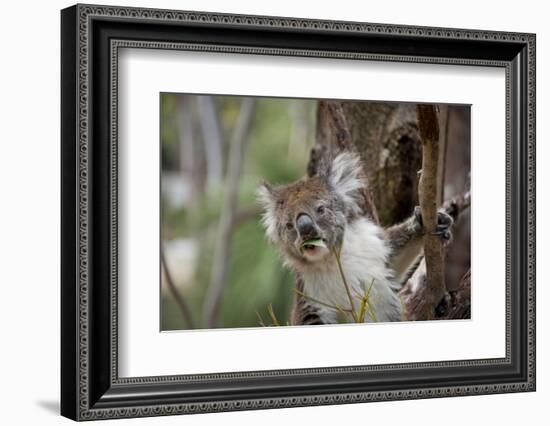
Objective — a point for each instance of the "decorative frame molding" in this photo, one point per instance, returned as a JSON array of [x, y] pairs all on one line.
[[91, 37]]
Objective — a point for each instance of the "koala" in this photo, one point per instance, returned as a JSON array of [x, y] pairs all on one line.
[[317, 220]]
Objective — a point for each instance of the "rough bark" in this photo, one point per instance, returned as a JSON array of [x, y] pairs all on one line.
[[388, 140], [456, 182], [455, 305], [386, 137], [460, 300], [333, 136]]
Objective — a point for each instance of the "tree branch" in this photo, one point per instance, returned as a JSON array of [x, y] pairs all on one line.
[[182, 305], [428, 125], [415, 290]]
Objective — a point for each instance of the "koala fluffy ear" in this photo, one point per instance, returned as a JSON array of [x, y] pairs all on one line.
[[344, 176], [268, 198]]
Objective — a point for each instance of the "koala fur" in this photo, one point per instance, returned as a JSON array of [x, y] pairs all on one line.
[[374, 260]]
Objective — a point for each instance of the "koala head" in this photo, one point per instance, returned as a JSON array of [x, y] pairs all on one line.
[[315, 209]]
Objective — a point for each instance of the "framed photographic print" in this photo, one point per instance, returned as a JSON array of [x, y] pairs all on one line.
[[263, 212]]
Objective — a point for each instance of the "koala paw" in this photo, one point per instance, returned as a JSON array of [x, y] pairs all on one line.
[[444, 224]]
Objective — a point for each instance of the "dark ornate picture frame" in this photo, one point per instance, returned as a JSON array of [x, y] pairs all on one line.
[[90, 38]]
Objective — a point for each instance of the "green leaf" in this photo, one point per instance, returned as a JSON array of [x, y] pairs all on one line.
[[315, 242]]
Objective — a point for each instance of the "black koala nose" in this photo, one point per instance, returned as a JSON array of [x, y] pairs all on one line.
[[305, 225]]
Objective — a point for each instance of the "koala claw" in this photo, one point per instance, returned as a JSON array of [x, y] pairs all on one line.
[[444, 223], [445, 235], [443, 228]]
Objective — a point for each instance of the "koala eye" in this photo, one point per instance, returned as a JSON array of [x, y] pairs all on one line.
[[289, 226], [321, 209]]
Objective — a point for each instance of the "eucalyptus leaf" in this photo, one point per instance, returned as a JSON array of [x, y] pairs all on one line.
[[318, 242]]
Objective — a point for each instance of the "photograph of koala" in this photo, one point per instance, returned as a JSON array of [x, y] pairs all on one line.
[[289, 212]]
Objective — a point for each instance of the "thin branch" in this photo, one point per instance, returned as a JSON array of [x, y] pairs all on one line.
[[272, 315], [352, 306], [366, 306], [260, 319], [220, 273], [428, 126], [180, 301], [212, 139], [443, 143]]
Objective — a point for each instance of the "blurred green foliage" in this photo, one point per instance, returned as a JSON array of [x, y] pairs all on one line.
[[277, 152]]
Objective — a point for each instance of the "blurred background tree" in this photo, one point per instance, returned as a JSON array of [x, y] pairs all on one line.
[[201, 153]]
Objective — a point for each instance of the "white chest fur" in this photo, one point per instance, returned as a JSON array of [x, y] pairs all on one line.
[[363, 259]]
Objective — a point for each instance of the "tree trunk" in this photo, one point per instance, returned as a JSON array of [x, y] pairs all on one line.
[[386, 137]]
